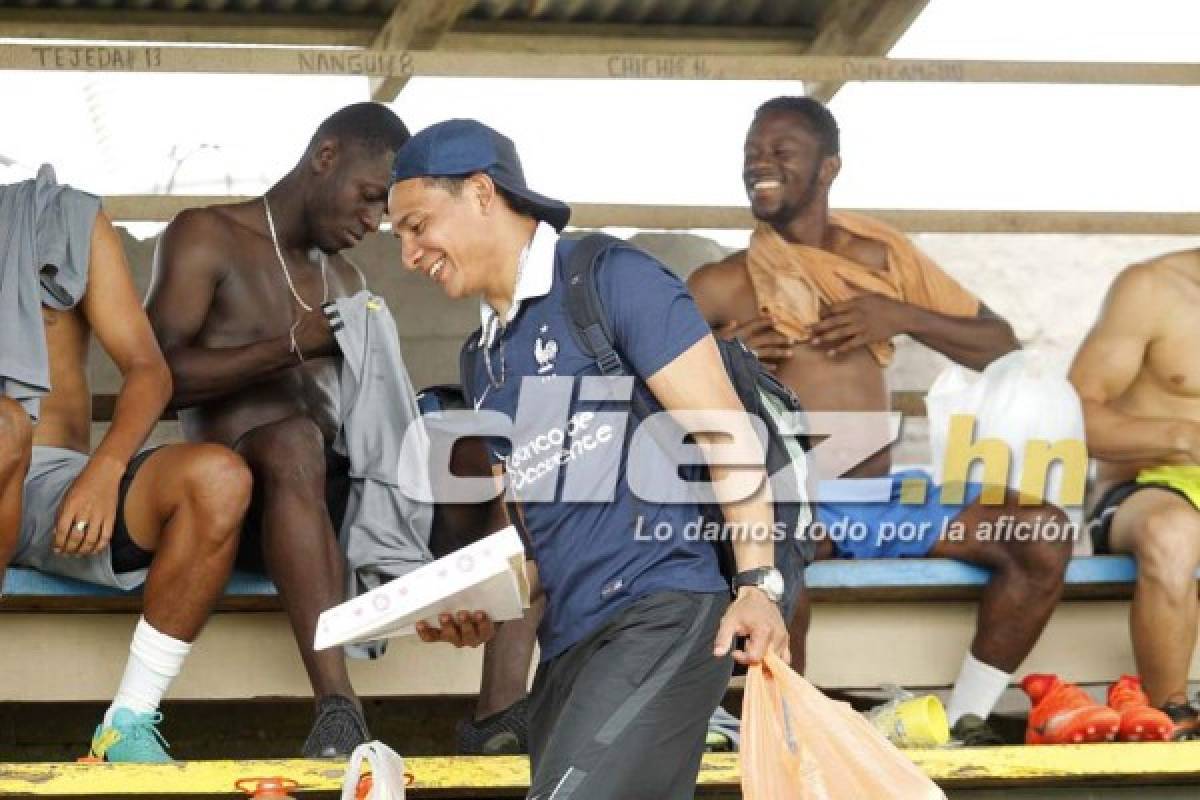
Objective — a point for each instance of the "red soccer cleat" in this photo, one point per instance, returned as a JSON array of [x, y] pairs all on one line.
[[1140, 722], [1065, 714]]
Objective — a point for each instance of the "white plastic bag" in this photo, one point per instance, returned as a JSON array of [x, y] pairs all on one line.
[[1016, 399], [387, 779]]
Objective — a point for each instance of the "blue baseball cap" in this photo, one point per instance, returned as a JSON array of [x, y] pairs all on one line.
[[461, 147]]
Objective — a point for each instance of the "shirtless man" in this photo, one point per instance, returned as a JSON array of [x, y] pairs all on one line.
[[791, 160], [1139, 378], [235, 303], [256, 370], [168, 517]]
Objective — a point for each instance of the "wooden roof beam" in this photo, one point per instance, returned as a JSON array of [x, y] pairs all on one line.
[[611, 65], [414, 25], [160, 208], [860, 28]]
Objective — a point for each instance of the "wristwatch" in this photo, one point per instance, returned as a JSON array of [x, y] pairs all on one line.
[[768, 580]]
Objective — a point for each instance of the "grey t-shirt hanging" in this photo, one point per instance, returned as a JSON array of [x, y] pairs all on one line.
[[45, 244]]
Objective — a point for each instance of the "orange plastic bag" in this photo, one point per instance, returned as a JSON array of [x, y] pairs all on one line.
[[797, 744]]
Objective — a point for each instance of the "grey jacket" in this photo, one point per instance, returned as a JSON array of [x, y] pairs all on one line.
[[45, 244], [385, 532]]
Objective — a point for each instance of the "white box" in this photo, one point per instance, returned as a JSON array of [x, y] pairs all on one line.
[[488, 575]]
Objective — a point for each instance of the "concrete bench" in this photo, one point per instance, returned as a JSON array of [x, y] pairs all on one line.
[[905, 621], [246, 651], [912, 619]]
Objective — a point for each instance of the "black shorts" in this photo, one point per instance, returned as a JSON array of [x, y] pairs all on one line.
[[126, 555], [337, 493], [1102, 515], [622, 714]]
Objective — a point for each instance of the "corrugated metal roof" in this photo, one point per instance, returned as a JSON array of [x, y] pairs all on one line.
[[654, 12], [751, 13]]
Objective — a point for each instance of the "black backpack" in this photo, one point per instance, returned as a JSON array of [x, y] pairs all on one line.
[[759, 391]]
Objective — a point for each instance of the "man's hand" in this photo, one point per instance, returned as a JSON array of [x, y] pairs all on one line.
[[313, 336], [464, 629], [754, 616], [859, 322], [762, 337], [88, 513]]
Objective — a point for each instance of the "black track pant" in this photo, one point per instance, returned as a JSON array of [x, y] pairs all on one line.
[[622, 715]]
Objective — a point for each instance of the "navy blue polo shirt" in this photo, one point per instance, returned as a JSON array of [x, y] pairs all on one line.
[[597, 546]]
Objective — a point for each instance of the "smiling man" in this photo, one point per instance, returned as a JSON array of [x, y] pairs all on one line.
[[637, 632], [819, 296], [236, 305]]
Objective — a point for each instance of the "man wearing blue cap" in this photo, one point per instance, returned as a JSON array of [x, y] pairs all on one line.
[[638, 630]]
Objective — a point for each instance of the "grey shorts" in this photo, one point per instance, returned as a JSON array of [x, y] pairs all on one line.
[[52, 470], [622, 715]]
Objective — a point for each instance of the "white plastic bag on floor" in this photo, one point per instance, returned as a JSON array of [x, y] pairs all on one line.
[[1017, 400], [387, 777]]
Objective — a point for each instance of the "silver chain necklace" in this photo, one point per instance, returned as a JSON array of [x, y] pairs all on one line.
[[501, 326], [282, 263]]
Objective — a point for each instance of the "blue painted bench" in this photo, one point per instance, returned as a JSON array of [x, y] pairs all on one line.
[[30, 590], [923, 610], [1091, 577], [1088, 578]]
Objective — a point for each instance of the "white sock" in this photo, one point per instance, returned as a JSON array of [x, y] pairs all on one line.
[[154, 661], [977, 689]]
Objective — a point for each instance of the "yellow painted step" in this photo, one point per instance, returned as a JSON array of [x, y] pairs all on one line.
[[1174, 763]]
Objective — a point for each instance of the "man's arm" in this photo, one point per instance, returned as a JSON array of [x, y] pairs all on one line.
[[713, 286], [1107, 364], [189, 264], [973, 342], [113, 310], [941, 315], [696, 381]]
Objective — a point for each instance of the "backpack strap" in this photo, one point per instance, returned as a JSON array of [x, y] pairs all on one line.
[[590, 326], [585, 311]]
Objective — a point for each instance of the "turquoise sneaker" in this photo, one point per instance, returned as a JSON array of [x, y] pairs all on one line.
[[131, 739]]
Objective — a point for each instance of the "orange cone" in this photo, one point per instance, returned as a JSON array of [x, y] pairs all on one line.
[[1065, 714]]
